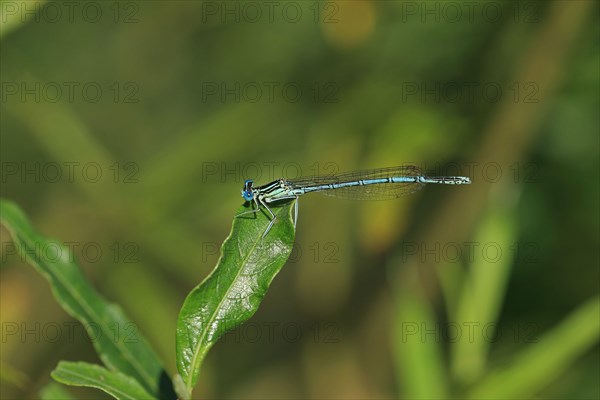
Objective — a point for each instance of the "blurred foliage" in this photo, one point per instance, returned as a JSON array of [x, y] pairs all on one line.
[[173, 162], [121, 348], [54, 391]]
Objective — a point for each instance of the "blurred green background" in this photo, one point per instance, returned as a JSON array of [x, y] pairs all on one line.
[[486, 291]]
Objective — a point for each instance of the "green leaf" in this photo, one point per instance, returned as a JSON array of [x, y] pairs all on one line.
[[231, 294], [540, 363], [115, 337], [483, 292], [54, 391], [417, 354], [117, 384]]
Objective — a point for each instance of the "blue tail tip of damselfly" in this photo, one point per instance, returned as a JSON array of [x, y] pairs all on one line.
[[445, 180], [456, 180], [247, 192]]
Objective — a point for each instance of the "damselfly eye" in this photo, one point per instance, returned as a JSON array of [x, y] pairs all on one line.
[[247, 193]]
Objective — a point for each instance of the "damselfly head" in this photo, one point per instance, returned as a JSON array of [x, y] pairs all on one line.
[[247, 192]]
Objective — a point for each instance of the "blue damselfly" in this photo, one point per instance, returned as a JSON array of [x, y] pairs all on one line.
[[374, 184]]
